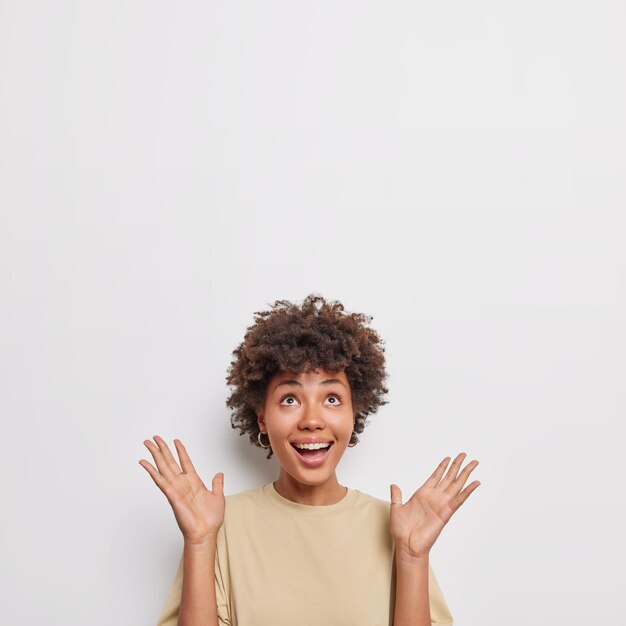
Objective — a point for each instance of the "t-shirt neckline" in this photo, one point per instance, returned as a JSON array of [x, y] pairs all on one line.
[[309, 509]]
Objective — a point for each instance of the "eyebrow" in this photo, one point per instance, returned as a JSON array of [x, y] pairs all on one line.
[[294, 383]]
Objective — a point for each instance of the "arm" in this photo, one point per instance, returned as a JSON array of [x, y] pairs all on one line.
[[197, 607], [412, 607], [199, 513], [415, 527]]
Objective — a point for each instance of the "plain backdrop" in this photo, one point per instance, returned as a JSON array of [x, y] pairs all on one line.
[[454, 169]]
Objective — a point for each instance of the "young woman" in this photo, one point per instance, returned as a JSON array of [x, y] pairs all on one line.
[[305, 549]]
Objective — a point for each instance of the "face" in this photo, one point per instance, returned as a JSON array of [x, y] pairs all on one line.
[[308, 410]]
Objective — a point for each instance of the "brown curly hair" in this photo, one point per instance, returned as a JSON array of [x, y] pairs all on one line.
[[296, 339]]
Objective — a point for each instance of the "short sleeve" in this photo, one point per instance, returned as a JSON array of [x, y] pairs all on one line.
[[169, 615], [222, 591], [439, 612]]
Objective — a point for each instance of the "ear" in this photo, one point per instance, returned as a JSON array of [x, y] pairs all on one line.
[[261, 422]]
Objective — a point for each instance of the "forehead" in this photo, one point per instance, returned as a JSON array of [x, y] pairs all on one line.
[[312, 378]]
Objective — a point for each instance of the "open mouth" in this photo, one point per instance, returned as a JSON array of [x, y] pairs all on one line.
[[312, 454]]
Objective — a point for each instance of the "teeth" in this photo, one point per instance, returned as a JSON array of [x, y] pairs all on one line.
[[311, 446]]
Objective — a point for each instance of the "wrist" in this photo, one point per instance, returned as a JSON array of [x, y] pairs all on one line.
[[208, 542], [408, 559]]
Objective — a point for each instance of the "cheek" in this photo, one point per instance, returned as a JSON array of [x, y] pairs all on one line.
[[345, 424]]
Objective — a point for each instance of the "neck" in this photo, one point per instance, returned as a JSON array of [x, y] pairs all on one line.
[[329, 492]]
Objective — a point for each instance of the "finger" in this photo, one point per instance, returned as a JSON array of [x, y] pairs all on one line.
[[458, 500], [185, 461], [161, 482], [435, 477], [396, 494], [217, 485], [458, 484], [168, 456], [160, 461], [452, 472]]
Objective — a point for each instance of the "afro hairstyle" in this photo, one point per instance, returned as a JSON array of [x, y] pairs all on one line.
[[318, 334]]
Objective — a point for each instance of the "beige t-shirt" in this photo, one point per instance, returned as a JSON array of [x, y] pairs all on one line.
[[280, 563]]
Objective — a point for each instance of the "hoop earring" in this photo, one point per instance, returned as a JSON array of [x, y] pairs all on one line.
[[353, 436], [260, 442]]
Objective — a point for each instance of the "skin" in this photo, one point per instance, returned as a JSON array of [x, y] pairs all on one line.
[[311, 404]]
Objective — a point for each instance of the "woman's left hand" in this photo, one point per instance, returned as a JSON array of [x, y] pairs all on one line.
[[416, 525]]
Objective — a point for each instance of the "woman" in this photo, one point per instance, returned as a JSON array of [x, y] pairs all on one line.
[[306, 549]]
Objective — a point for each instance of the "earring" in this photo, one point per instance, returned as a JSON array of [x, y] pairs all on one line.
[[356, 439], [260, 442]]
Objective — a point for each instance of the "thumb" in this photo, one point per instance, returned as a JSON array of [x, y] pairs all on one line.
[[396, 494], [218, 484]]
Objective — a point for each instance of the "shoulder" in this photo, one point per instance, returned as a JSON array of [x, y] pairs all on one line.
[[371, 507], [264, 498], [260, 495], [367, 500], [250, 497], [370, 522]]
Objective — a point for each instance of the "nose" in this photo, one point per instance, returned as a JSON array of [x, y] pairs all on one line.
[[311, 419]]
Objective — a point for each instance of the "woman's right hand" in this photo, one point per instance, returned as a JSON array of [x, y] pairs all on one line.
[[198, 511]]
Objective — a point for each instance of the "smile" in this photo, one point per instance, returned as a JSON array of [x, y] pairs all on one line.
[[312, 454]]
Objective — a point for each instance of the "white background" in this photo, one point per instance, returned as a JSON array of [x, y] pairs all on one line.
[[455, 169]]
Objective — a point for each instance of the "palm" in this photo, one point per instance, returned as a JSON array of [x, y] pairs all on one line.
[[199, 511], [416, 525]]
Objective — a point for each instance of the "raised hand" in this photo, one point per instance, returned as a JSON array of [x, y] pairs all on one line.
[[416, 525], [199, 512]]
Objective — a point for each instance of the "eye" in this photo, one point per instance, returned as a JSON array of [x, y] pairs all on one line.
[[336, 400], [288, 401]]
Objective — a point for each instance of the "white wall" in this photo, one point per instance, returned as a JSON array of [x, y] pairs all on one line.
[[455, 169]]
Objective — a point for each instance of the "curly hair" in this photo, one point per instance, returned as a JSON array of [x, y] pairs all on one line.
[[296, 339]]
